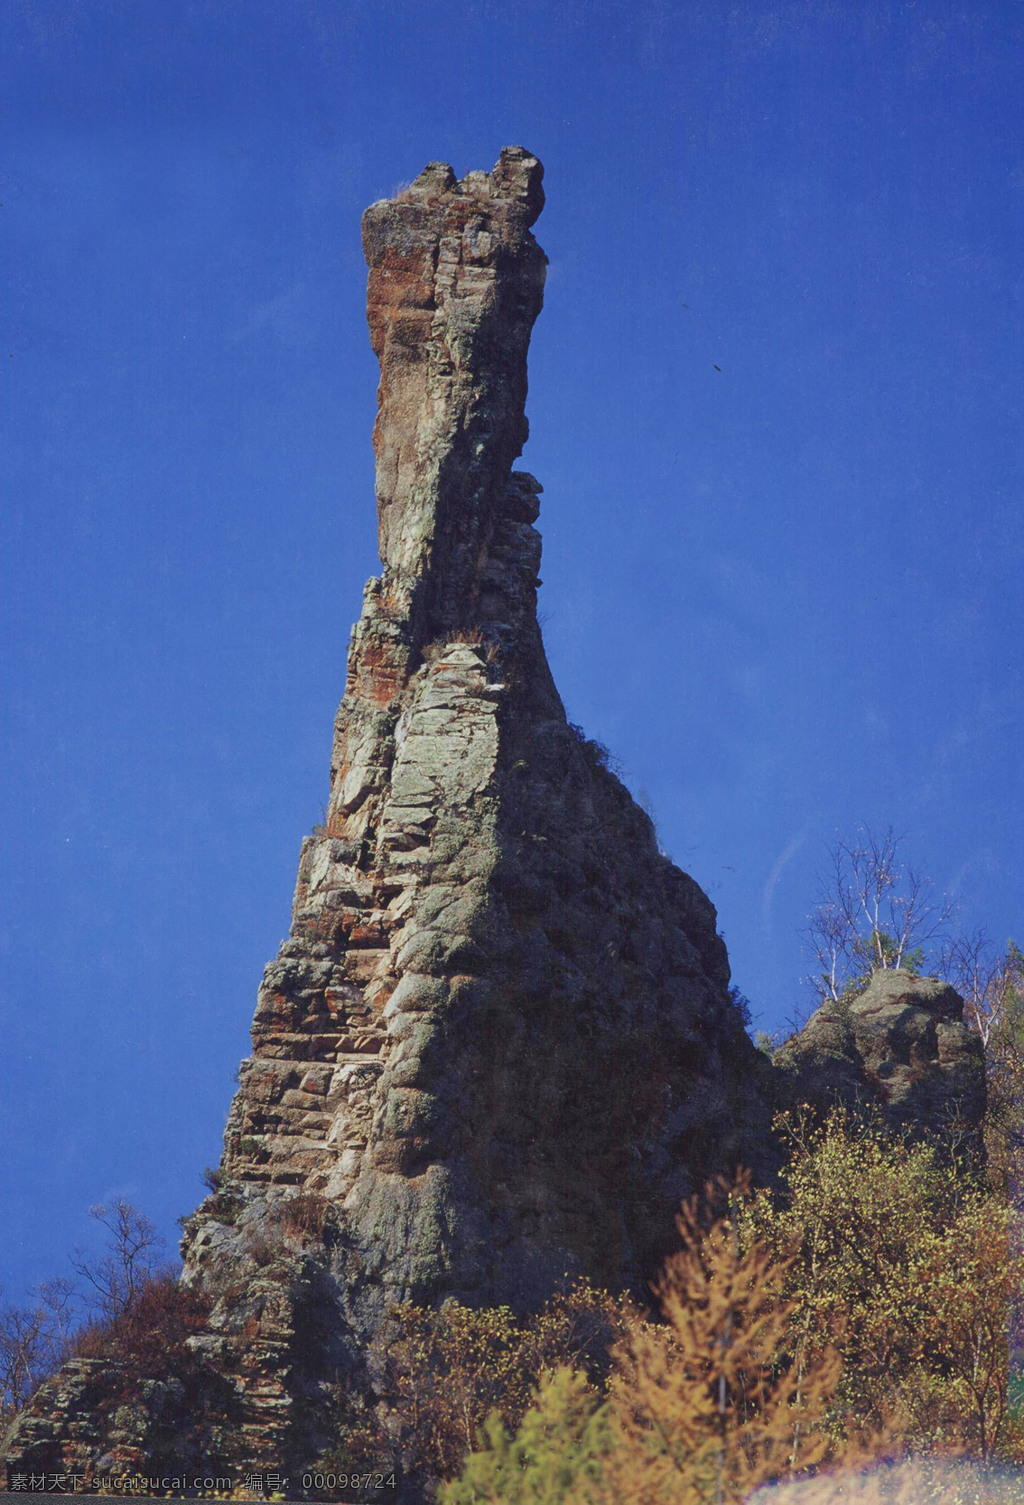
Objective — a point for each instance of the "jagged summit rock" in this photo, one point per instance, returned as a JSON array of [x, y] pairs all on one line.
[[456, 282], [899, 1046]]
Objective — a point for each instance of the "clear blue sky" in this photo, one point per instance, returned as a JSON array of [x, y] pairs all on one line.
[[787, 594]]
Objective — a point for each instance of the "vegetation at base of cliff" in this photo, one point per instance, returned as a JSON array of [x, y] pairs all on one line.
[[444, 1372], [911, 1268], [703, 1406], [862, 1314], [863, 1310]]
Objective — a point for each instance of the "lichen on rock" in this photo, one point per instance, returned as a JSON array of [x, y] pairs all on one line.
[[498, 1046], [898, 1047]]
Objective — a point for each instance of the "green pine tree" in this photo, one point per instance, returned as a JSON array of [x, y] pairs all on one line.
[[555, 1453]]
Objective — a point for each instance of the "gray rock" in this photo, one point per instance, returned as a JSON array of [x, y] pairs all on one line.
[[498, 1044], [901, 1046]]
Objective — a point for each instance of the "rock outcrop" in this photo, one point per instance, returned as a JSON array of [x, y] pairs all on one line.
[[901, 1047], [499, 1044], [499, 1041]]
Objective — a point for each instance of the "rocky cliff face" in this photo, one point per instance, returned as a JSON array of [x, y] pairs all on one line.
[[498, 1044], [499, 1040]]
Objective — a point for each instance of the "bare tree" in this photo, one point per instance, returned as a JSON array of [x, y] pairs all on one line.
[[58, 1298], [21, 1341], [990, 982], [132, 1258], [34, 1340], [829, 930], [992, 985], [874, 912]]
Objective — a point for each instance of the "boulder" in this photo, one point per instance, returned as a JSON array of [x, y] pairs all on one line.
[[901, 1046]]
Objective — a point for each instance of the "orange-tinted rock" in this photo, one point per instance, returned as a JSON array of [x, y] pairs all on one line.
[[498, 1044]]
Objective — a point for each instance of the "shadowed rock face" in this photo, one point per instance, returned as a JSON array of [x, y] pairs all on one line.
[[499, 1041], [900, 1045], [498, 1044]]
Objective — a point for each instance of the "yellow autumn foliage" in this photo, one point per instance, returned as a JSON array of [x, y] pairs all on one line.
[[912, 1269]]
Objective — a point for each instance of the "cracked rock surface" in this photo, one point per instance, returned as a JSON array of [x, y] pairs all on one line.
[[499, 1041], [900, 1046], [498, 1045]]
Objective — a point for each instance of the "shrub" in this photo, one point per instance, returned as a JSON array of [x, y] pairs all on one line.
[[151, 1335], [447, 1370], [910, 1267], [596, 753], [553, 1457], [305, 1217]]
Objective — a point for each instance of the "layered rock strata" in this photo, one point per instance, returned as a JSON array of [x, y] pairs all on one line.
[[499, 1039], [499, 1044]]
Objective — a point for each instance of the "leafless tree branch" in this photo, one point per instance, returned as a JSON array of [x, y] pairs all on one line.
[[874, 912], [134, 1247]]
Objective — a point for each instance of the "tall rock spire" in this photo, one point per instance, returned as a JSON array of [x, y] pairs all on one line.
[[499, 1041], [456, 282], [498, 1044]]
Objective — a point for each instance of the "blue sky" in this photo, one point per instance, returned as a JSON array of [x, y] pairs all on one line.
[[785, 593]]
